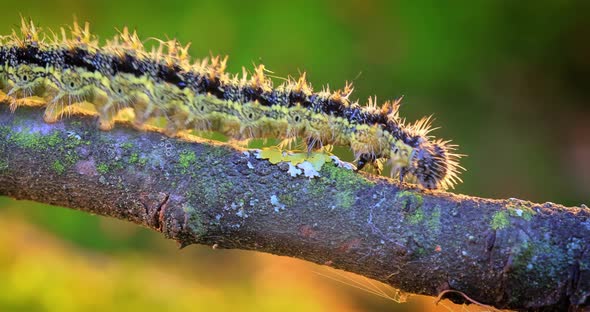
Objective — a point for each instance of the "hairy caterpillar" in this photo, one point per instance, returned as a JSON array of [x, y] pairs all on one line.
[[64, 70]]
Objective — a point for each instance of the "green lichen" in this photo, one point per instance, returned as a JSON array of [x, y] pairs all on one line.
[[72, 142], [500, 220], [514, 209], [521, 211], [185, 160], [406, 198], [287, 199], [70, 158], [316, 189], [142, 161], [102, 168], [61, 148], [134, 158], [36, 141], [127, 145], [433, 221], [195, 221], [117, 165], [344, 177], [541, 262], [4, 130], [343, 183], [429, 219], [58, 167], [224, 188], [213, 189], [27, 139], [54, 139], [417, 216], [345, 199], [215, 153]]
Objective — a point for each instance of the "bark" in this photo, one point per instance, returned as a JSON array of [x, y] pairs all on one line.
[[506, 253]]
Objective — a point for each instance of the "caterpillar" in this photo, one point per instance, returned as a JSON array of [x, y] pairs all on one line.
[[65, 69]]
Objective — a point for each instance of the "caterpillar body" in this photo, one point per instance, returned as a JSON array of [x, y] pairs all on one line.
[[61, 71]]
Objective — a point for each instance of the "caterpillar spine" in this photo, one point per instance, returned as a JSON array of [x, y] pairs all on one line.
[[62, 71]]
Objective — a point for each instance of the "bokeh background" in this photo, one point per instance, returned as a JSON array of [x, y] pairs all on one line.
[[509, 81]]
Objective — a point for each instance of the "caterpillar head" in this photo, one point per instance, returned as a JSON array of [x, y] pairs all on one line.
[[120, 89], [202, 112], [434, 165], [76, 83], [297, 119], [200, 107], [166, 95], [252, 120], [26, 78], [71, 81], [318, 127]]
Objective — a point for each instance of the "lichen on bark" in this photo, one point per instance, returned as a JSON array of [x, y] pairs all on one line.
[[506, 253]]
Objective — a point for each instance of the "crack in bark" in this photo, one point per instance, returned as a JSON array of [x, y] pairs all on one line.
[[159, 214]]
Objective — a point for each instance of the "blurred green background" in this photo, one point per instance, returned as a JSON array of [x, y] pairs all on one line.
[[509, 81]]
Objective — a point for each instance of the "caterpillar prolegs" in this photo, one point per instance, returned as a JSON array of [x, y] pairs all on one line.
[[61, 71]]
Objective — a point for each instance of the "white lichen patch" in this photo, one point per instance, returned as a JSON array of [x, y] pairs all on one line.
[[342, 164], [309, 169], [278, 206], [73, 135], [294, 171], [242, 213]]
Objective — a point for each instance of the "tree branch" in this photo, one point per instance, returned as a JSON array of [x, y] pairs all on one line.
[[506, 253]]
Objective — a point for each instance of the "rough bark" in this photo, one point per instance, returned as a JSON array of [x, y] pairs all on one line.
[[506, 253]]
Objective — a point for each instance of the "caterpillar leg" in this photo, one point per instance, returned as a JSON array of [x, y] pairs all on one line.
[[322, 149], [178, 120], [53, 112], [313, 144], [24, 97], [173, 128], [142, 111], [106, 121], [106, 112], [12, 103], [29, 101], [55, 107], [287, 143]]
